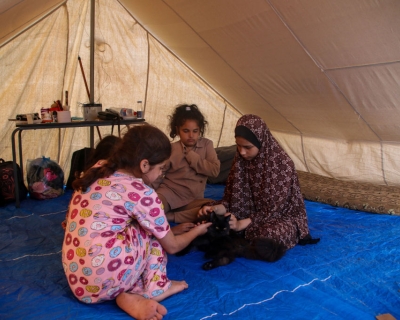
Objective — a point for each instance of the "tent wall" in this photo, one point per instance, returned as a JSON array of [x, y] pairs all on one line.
[[130, 65], [323, 74]]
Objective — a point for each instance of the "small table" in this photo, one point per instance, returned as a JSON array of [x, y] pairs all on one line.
[[55, 125]]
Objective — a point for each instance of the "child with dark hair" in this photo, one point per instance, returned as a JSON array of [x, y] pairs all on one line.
[[104, 149], [183, 113], [117, 233], [192, 160]]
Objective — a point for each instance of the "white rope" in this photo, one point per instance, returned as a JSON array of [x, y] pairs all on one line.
[[271, 298], [33, 255], [40, 215]]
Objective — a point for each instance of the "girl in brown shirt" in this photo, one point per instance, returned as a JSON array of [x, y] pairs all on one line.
[[192, 160]]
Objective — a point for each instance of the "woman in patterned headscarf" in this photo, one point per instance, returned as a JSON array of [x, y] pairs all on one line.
[[262, 191]]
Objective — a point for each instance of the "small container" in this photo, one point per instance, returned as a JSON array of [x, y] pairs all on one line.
[[139, 110], [63, 116], [126, 113], [90, 111], [46, 115]]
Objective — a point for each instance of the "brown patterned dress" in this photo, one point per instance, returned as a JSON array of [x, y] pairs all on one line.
[[266, 190]]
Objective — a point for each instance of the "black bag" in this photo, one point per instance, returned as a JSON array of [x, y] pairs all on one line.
[[7, 183], [78, 164], [110, 115]]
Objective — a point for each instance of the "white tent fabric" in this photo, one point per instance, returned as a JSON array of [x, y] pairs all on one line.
[[323, 74]]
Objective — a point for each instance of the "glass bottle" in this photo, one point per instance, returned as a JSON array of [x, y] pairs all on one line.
[[139, 110]]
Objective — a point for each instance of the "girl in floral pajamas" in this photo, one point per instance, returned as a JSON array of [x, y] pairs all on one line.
[[117, 234]]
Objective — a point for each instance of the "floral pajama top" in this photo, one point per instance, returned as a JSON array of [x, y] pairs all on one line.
[[110, 244]]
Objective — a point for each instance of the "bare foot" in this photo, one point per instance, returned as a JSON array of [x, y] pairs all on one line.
[[182, 228], [139, 307], [176, 286]]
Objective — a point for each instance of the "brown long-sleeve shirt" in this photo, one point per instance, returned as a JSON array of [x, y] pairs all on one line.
[[186, 173]]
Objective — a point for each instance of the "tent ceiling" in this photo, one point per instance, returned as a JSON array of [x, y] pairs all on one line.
[[321, 68], [323, 74], [16, 15]]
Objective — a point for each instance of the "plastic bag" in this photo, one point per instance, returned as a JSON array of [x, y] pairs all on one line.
[[45, 179]]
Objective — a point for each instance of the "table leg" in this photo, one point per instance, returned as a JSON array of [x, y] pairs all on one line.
[[20, 152], [59, 145], [14, 156], [91, 137]]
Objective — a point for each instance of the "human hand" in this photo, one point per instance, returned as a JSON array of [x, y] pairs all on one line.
[[204, 211], [182, 228], [238, 225], [186, 150], [202, 228], [233, 222]]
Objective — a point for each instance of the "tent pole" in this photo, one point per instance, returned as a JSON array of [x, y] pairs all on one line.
[[92, 26]]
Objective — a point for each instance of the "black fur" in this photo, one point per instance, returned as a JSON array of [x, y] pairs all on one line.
[[222, 245]]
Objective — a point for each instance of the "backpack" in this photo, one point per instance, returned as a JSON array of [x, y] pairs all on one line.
[[7, 183], [78, 164]]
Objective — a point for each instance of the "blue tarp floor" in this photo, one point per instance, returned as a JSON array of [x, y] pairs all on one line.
[[352, 273]]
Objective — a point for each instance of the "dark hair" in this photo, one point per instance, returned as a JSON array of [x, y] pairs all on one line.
[[104, 150], [139, 142], [185, 112]]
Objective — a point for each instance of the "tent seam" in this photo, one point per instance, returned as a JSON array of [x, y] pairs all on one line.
[[234, 70], [304, 154], [34, 22], [319, 66], [363, 65], [179, 59], [223, 123]]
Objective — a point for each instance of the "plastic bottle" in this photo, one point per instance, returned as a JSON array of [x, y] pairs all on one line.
[[139, 110]]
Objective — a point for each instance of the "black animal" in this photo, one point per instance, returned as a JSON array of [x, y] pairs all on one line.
[[223, 245]]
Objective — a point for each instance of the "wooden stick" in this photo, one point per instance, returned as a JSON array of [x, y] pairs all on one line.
[[84, 78], [98, 132]]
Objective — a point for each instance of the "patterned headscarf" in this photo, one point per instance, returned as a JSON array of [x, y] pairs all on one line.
[[266, 188]]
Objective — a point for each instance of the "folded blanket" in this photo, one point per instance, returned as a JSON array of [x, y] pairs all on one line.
[[349, 194]]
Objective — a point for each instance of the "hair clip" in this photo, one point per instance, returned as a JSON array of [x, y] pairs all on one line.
[[187, 108]]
